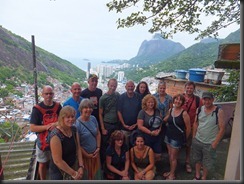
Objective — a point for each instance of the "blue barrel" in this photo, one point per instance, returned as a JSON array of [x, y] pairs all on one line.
[[196, 74], [180, 74]]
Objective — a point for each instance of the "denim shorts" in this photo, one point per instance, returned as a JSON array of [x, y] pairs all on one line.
[[203, 153], [173, 143]]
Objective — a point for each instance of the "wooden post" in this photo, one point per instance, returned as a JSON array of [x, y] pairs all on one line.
[[34, 68], [1, 169]]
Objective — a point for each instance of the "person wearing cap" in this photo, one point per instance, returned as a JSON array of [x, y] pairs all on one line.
[[94, 94], [208, 130]]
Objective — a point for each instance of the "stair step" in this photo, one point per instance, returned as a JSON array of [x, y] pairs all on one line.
[[16, 145], [15, 174], [18, 160], [18, 154], [24, 165]]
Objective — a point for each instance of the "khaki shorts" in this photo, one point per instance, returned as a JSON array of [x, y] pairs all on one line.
[[42, 156]]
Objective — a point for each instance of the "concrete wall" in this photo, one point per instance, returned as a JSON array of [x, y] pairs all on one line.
[[232, 170], [175, 86]]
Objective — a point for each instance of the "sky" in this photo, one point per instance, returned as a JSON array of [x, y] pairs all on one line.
[[80, 29]]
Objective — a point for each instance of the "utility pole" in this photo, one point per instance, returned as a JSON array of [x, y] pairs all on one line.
[[34, 67]]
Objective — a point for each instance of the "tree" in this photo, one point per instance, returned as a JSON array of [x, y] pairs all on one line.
[[178, 15], [228, 92], [3, 93]]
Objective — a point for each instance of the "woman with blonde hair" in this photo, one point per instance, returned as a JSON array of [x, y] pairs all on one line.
[[164, 103], [66, 157], [149, 122]]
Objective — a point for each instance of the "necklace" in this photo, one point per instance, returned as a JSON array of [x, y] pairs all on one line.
[[66, 133]]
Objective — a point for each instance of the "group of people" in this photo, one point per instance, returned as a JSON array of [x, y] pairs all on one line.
[[95, 136]]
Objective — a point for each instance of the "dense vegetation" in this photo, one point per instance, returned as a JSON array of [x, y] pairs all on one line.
[[229, 92], [171, 17], [9, 131], [16, 65]]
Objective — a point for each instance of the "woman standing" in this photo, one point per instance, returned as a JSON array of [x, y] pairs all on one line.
[[65, 150], [142, 88], [90, 140], [142, 160], [117, 157], [177, 133], [149, 123], [164, 102]]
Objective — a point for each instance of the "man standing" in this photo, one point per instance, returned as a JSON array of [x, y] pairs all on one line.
[[192, 102], [128, 108], [43, 118], [208, 131], [75, 100], [108, 115], [94, 94]]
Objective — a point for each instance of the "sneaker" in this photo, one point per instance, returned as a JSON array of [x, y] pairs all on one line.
[[188, 168]]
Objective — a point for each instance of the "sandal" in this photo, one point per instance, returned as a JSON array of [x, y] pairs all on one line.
[[166, 174], [188, 167], [170, 178], [197, 178]]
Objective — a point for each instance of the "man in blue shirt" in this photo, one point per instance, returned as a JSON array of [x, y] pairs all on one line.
[[75, 100], [129, 106]]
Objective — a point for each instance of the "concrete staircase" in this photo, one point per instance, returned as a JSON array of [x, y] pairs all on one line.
[[16, 159]]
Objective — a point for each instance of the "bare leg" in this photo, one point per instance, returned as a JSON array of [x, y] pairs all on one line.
[[42, 170], [173, 162], [205, 173], [198, 168]]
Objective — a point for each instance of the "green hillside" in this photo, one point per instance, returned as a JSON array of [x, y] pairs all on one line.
[[197, 56], [16, 63]]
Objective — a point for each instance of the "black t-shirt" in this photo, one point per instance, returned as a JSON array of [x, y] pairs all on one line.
[[94, 96], [37, 117]]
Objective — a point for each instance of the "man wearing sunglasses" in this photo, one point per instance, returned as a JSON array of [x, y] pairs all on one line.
[[43, 118]]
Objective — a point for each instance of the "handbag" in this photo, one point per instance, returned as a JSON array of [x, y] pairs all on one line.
[[66, 176]]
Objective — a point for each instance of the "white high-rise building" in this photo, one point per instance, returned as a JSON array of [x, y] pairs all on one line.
[[88, 69], [121, 75]]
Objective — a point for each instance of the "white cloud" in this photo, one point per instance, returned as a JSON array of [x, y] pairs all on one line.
[[78, 28]]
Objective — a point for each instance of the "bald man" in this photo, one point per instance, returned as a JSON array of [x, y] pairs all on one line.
[[75, 100], [40, 125]]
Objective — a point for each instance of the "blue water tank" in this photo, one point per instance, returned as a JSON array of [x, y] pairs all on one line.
[[180, 74], [196, 74]]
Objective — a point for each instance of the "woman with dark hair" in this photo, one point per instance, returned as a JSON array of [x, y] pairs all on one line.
[[142, 159], [177, 132], [142, 88], [117, 158]]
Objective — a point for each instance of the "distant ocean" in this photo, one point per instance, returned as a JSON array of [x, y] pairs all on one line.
[[83, 63]]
